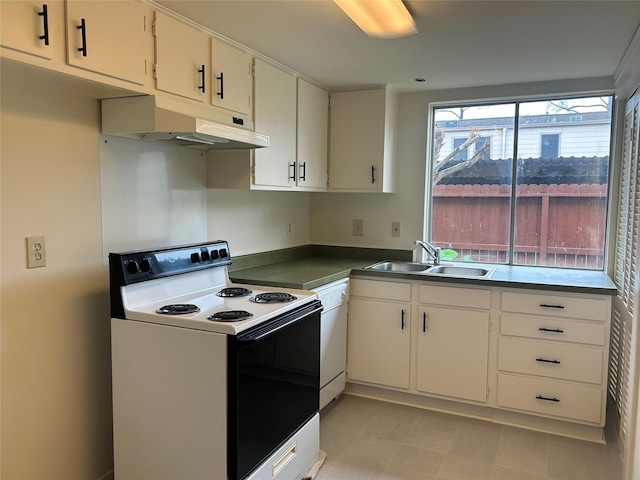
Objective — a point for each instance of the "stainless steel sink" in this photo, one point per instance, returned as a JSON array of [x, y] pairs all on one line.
[[459, 271], [399, 266]]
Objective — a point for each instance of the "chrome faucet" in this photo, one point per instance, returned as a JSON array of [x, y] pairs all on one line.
[[434, 252]]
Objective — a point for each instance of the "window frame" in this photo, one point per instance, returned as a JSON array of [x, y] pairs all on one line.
[[612, 185]]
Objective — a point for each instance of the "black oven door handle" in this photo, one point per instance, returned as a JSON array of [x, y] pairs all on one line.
[[271, 327]]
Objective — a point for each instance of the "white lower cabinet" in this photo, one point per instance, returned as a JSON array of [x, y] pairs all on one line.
[[552, 354], [378, 333], [522, 357], [453, 348]]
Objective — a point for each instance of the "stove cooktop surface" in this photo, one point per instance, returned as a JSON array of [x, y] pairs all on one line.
[[206, 310]]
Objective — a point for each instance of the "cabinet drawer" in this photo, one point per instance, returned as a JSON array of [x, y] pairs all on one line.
[[381, 290], [547, 359], [556, 305], [558, 399], [550, 328], [456, 297]]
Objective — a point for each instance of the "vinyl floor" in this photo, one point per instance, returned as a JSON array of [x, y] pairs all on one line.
[[372, 440]]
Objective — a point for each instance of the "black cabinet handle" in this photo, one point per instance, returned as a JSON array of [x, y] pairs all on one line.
[[45, 23], [402, 320], [424, 322], [83, 29], [303, 171], [373, 174], [554, 399], [202, 77], [545, 305], [292, 167], [557, 362], [552, 330], [221, 78]]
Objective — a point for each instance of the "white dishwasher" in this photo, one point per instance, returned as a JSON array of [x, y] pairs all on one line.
[[333, 339]]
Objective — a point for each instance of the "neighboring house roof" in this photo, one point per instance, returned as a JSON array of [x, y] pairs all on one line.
[[526, 120], [541, 171]]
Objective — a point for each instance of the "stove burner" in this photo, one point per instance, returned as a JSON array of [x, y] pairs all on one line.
[[230, 316], [178, 309], [273, 297], [234, 292]]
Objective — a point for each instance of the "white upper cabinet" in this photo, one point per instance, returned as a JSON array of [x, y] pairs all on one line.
[[232, 78], [111, 38], [275, 115], [313, 124], [361, 155], [32, 27], [182, 58]]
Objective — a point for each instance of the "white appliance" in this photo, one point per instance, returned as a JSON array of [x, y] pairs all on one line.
[[207, 385], [333, 339]]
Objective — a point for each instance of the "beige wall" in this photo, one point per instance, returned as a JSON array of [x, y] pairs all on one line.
[[56, 408]]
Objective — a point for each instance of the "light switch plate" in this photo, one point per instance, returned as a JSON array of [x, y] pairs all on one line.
[[395, 229], [358, 228]]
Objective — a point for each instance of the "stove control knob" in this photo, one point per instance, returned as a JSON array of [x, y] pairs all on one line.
[[195, 258], [223, 253], [215, 254], [205, 256], [132, 267], [145, 265]]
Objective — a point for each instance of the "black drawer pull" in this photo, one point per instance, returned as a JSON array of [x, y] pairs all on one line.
[[45, 23], [402, 320], [303, 171], [554, 399], [424, 322], [557, 362], [373, 174], [292, 171], [552, 330], [545, 305]]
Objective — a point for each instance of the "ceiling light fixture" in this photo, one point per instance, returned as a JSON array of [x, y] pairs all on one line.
[[380, 18]]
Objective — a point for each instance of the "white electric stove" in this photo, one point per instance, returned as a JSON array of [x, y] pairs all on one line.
[[211, 379]]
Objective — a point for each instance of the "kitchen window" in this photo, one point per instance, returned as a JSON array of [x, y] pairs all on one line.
[[513, 197]]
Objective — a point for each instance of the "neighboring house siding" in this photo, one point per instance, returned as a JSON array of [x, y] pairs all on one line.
[[588, 139]]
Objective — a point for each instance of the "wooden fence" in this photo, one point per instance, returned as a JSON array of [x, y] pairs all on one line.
[[556, 225]]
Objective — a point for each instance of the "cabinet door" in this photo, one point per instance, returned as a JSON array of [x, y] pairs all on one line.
[[182, 58], [111, 38], [313, 124], [378, 342], [453, 349], [32, 27], [357, 140], [232, 77], [275, 115]]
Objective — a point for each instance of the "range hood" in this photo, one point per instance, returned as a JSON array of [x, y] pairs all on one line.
[[149, 117]]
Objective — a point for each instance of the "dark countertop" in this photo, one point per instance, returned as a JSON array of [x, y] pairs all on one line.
[[311, 272], [305, 273]]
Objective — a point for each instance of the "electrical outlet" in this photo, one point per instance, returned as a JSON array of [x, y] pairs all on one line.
[[395, 229], [358, 228], [36, 252], [289, 230]]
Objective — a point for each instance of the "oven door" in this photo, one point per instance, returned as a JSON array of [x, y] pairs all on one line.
[[273, 385]]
